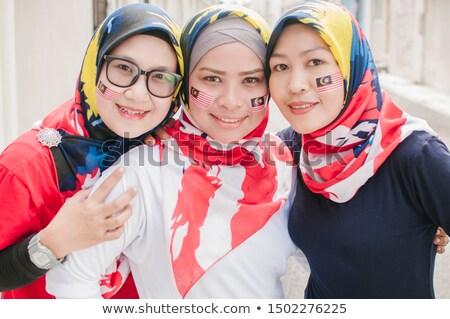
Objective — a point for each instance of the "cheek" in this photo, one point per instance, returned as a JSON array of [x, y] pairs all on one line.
[[162, 105], [197, 113], [334, 102], [102, 105], [259, 116], [277, 87]]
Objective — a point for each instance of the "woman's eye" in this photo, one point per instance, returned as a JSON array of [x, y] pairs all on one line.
[[315, 62], [251, 80], [280, 67], [212, 78], [124, 67]]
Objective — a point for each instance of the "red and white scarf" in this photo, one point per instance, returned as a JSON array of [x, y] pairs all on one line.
[[238, 207], [338, 159]]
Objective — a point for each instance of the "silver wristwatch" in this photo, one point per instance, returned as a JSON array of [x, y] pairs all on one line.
[[40, 255]]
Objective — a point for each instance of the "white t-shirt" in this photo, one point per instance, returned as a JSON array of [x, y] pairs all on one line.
[[212, 253]]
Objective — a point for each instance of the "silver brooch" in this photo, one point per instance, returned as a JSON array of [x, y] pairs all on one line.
[[49, 137]]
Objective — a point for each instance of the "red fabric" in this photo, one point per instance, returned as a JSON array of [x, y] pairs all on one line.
[[200, 149], [31, 198]]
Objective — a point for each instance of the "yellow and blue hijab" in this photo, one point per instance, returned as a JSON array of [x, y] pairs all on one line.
[[338, 159], [207, 16], [88, 146]]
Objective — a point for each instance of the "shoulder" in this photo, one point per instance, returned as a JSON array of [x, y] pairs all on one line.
[[142, 163], [293, 140], [26, 152], [420, 158], [420, 145], [289, 136], [142, 156]]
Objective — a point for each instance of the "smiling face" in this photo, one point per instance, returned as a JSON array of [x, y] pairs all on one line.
[[133, 111], [305, 81], [230, 76]]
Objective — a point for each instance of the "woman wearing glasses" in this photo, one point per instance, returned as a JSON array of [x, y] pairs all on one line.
[[123, 92]]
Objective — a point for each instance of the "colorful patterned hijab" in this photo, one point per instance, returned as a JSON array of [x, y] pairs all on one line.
[[87, 146], [370, 126], [189, 137]]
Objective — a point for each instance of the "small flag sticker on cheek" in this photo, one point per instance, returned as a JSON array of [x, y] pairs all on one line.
[[259, 103], [329, 82], [200, 98], [106, 93]]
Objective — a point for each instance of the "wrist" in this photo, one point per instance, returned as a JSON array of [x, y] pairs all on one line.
[[41, 256], [47, 240]]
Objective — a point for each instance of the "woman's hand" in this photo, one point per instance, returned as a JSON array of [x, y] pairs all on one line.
[[84, 222], [440, 240], [159, 132]]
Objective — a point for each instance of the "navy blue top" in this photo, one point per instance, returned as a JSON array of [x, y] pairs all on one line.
[[380, 243]]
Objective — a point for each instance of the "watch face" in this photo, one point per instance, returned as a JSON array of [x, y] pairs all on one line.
[[41, 259]]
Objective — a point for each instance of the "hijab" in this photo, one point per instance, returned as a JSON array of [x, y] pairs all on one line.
[[369, 127], [81, 144], [208, 29]]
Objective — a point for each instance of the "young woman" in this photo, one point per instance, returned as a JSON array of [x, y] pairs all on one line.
[[210, 219], [371, 177], [123, 92]]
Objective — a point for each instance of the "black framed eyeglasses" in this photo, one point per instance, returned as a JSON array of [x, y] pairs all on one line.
[[124, 73]]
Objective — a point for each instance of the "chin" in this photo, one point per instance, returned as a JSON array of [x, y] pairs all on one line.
[[128, 134]]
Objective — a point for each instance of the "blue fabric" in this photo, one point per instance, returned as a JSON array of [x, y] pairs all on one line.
[[380, 243]]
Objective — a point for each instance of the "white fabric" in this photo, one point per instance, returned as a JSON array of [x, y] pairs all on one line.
[[252, 270]]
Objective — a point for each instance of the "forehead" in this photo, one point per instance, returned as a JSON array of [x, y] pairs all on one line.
[[298, 35], [139, 42], [231, 56]]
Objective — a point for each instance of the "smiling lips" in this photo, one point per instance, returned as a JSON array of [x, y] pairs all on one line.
[[226, 120], [131, 113], [301, 107]]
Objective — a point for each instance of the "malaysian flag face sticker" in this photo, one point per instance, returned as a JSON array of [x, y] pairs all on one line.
[[259, 103], [200, 98], [330, 82], [105, 93]]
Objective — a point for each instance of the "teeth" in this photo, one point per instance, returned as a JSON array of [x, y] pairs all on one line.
[[125, 110], [304, 106], [229, 120]]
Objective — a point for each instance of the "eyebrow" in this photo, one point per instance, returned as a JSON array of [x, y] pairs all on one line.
[[280, 55], [159, 68], [249, 72]]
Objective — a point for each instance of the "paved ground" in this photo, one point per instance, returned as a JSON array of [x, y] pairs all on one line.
[[295, 280]]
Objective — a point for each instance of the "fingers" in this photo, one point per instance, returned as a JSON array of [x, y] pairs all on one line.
[[440, 240], [170, 122], [149, 140], [119, 204], [108, 184], [115, 224], [114, 234], [160, 132], [81, 195]]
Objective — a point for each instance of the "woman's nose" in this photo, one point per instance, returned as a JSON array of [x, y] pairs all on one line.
[[232, 98], [298, 83], [138, 91]]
